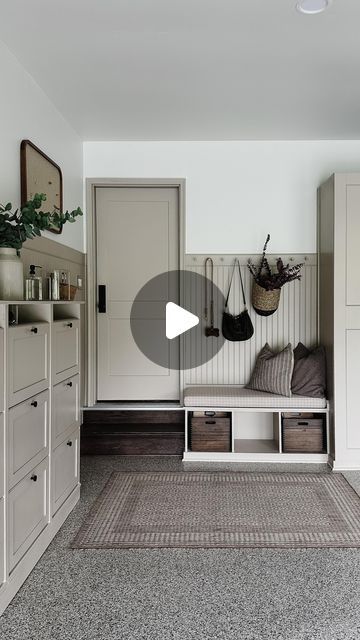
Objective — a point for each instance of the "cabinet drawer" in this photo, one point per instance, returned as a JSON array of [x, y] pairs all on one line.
[[2, 454], [28, 361], [28, 435], [65, 409], [28, 512], [2, 367], [65, 470], [2, 540], [65, 349]]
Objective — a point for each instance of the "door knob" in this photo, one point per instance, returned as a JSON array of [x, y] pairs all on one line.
[[34, 404], [34, 477]]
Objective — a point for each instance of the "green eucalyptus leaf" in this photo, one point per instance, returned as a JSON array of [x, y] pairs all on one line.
[[30, 220]]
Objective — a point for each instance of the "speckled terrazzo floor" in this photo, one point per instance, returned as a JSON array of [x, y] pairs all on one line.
[[183, 594]]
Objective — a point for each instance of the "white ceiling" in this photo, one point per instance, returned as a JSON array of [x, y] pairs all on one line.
[[192, 69]]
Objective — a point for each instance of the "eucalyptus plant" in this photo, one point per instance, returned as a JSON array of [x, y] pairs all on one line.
[[29, 221], [270, 280]]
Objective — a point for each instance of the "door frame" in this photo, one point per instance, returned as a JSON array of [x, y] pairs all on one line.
[[91, 268]]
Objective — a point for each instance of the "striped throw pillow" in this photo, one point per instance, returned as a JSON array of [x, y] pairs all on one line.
[[273, 371]]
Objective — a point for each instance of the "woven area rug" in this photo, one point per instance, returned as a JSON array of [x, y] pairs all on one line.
[[223, 510]]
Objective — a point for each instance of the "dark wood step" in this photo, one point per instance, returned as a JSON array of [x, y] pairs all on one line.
[[121, 432], [136, 416]]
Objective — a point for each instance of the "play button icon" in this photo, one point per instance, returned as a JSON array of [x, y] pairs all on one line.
[[178, 320], [170, 320]]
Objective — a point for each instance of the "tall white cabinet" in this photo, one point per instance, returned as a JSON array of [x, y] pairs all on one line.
[[39, 432], [339, 316]]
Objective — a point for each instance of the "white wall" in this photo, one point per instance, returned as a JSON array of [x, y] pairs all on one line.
[[237, 192], [26, 113]]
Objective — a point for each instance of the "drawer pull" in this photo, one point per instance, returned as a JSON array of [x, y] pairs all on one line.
[[34, 477], [34, 404], [210, 413], [69, 324], [303, 424], [34, 329], [210, 421], [69, 384], [69, 443]]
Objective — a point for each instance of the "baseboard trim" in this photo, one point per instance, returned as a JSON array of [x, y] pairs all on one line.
[[271, 458]]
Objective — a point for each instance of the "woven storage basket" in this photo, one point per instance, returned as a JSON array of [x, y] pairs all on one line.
[[265, 302]]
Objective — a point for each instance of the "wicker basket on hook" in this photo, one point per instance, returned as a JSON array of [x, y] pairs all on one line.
[[265, 302]]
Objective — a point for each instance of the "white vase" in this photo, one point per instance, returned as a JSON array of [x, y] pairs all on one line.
[[11, 275]]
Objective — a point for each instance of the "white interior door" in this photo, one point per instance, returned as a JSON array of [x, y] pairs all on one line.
[[137, 231]]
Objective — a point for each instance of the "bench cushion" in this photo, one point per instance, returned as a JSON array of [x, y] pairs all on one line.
[[236, 396]]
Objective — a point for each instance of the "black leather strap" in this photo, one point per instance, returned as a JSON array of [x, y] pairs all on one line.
[[236, 262], [211, 279]]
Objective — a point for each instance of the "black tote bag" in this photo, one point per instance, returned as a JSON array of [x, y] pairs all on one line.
[[239, 327]]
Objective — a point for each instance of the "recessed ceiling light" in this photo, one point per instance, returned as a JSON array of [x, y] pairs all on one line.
[[312, 6]]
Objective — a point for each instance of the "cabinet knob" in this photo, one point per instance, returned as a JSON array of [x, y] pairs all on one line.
[[34, 477], [69, 443], [69, 324], [34, 330], [69, 384], [34, 404]]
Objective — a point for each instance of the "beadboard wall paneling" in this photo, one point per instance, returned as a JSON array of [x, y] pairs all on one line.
[[295, 320]]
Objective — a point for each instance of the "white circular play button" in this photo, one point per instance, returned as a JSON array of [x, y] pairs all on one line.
[[169, 322], [178, 320]]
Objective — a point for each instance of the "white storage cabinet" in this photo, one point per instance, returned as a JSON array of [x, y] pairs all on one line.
[[339, 304], [39, 432]]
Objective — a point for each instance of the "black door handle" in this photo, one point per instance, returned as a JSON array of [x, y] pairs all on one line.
[[69, 384], [34, 330], [69, 444], [34, 404], [34, 477], [102, 298]]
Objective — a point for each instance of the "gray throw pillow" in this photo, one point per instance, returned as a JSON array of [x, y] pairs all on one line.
[[309, 377], [273, 371]]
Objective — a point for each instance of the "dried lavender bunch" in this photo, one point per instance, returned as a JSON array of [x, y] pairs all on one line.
[[269, 280]]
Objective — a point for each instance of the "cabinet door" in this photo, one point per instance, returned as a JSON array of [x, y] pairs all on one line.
[[2, 541], [65, 470], [352, 388], [352, 244], [28, 361], [65, 349], [28, 435], [2, 367], [2, 454], [65, 409], [28, 512]]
